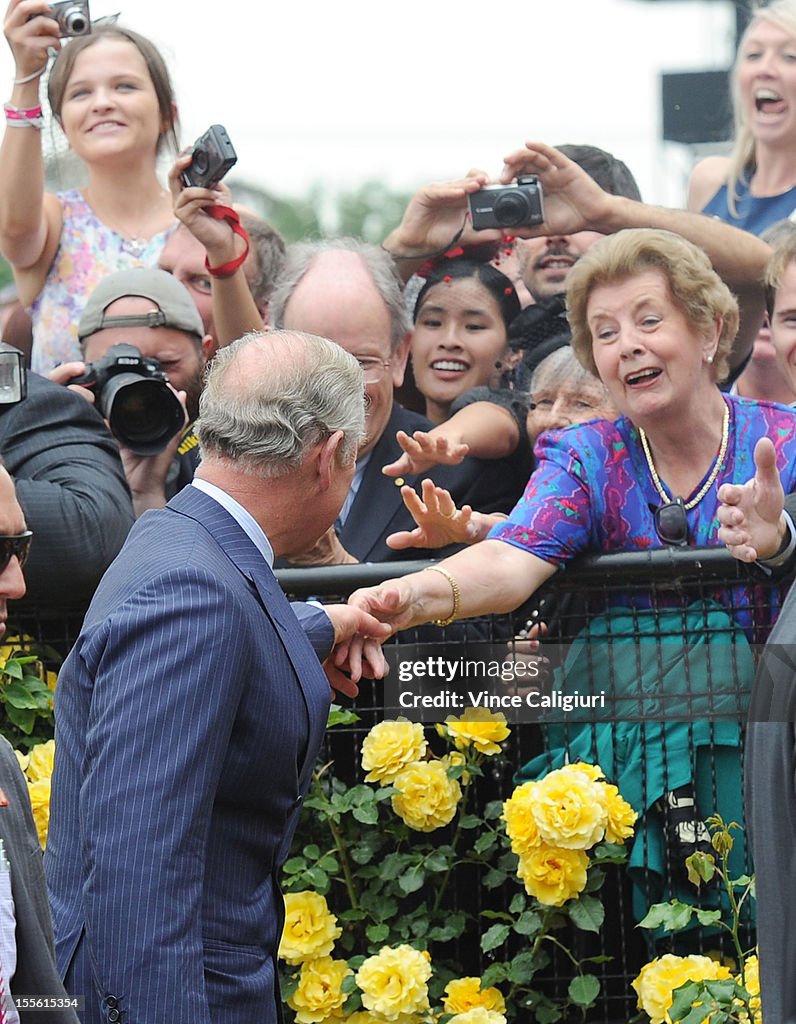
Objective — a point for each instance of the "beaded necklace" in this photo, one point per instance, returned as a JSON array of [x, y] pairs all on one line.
[[725, 434]]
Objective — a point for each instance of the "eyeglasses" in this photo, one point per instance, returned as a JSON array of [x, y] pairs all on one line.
[[14, 545], [671, 524], [373, 369]]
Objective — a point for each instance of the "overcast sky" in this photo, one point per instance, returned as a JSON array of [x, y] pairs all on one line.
[[421, 90]]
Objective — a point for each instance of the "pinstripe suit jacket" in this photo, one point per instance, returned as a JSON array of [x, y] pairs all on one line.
[[189, 714]]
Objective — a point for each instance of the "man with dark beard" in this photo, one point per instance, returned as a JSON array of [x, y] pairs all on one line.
[[151, 310]]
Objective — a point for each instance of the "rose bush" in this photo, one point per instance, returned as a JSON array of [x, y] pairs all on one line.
[[391, 856], [693, 989]]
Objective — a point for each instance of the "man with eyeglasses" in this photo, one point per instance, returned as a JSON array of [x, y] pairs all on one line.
[[350, 291]]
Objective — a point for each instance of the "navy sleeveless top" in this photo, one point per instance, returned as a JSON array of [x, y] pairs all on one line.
[[755, 213]]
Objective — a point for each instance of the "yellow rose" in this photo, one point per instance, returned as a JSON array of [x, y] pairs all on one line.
[[39, 793], [426, 799], [553, 875], [40, 761], [22, 760], [480, 728], [478, 1015], [465, 994], [521, 824], [591, 771], [394, 981], [366, 1017], [320, 995], [621, 816], [751, 982], [659, 978], [310, 928], [569, 810], [389, 747]]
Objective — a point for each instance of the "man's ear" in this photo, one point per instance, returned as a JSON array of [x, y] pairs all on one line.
[[209, 347], [398, 359], [328, 459]]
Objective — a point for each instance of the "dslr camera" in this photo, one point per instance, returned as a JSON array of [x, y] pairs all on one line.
[[72, 16], [212, 156], [133, 395], [507, 206]]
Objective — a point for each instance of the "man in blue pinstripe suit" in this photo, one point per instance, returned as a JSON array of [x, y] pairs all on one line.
[[190, 711]]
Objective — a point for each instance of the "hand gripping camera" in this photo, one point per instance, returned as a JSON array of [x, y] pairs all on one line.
[[507, 206], [133, 395]]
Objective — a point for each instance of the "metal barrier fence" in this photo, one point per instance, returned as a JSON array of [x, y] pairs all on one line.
[[661, 647], [669, 639]]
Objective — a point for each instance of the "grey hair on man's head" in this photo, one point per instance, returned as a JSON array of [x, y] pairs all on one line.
[[377, 261], [265, 419]]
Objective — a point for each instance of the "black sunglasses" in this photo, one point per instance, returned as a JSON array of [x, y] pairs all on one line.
[[671, 523], [14, 545]]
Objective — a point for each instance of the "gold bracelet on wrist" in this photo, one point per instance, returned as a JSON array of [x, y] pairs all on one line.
[[455, 593]]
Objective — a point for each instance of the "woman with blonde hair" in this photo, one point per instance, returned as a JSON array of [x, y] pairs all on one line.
[[756, 185]]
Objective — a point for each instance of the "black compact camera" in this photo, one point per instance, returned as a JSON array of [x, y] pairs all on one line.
[[133, 395], [72, 16], [507, 206], [212, 156]]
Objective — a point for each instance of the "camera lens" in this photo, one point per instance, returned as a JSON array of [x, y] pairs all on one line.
[[199, 161], [143, 414], [511, 209], [75, 21]]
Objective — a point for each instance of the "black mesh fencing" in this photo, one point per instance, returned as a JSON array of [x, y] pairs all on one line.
[[641, 662], [657, 653]]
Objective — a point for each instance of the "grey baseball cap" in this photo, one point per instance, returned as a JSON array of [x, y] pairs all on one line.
[[174, 306]]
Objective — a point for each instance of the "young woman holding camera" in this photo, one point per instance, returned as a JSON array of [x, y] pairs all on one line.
[[111, 93]]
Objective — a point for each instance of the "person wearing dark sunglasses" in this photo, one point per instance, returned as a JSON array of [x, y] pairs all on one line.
[[15, 542]]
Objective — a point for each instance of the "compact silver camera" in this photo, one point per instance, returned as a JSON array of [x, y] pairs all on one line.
[[72, 16], [211, 157], [508, 206]]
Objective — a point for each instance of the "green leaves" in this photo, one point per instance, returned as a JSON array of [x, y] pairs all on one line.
[[26, 702], [584, 989], [587, 913]]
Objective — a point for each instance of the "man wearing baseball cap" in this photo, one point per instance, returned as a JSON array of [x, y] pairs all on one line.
[[151, 310]]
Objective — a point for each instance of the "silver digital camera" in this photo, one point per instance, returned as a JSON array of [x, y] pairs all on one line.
[[73, 17]]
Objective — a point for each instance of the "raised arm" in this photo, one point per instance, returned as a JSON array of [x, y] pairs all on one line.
[[436, 220], [235, 312], [30, 221], [573, 202], [439, 522], [483, 429]]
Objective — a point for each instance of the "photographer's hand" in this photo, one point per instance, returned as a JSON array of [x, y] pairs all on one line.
[[235, 312], [147, 474], [573, 201], [31, 31], [65, 372], [436, 219], [190, 204]]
